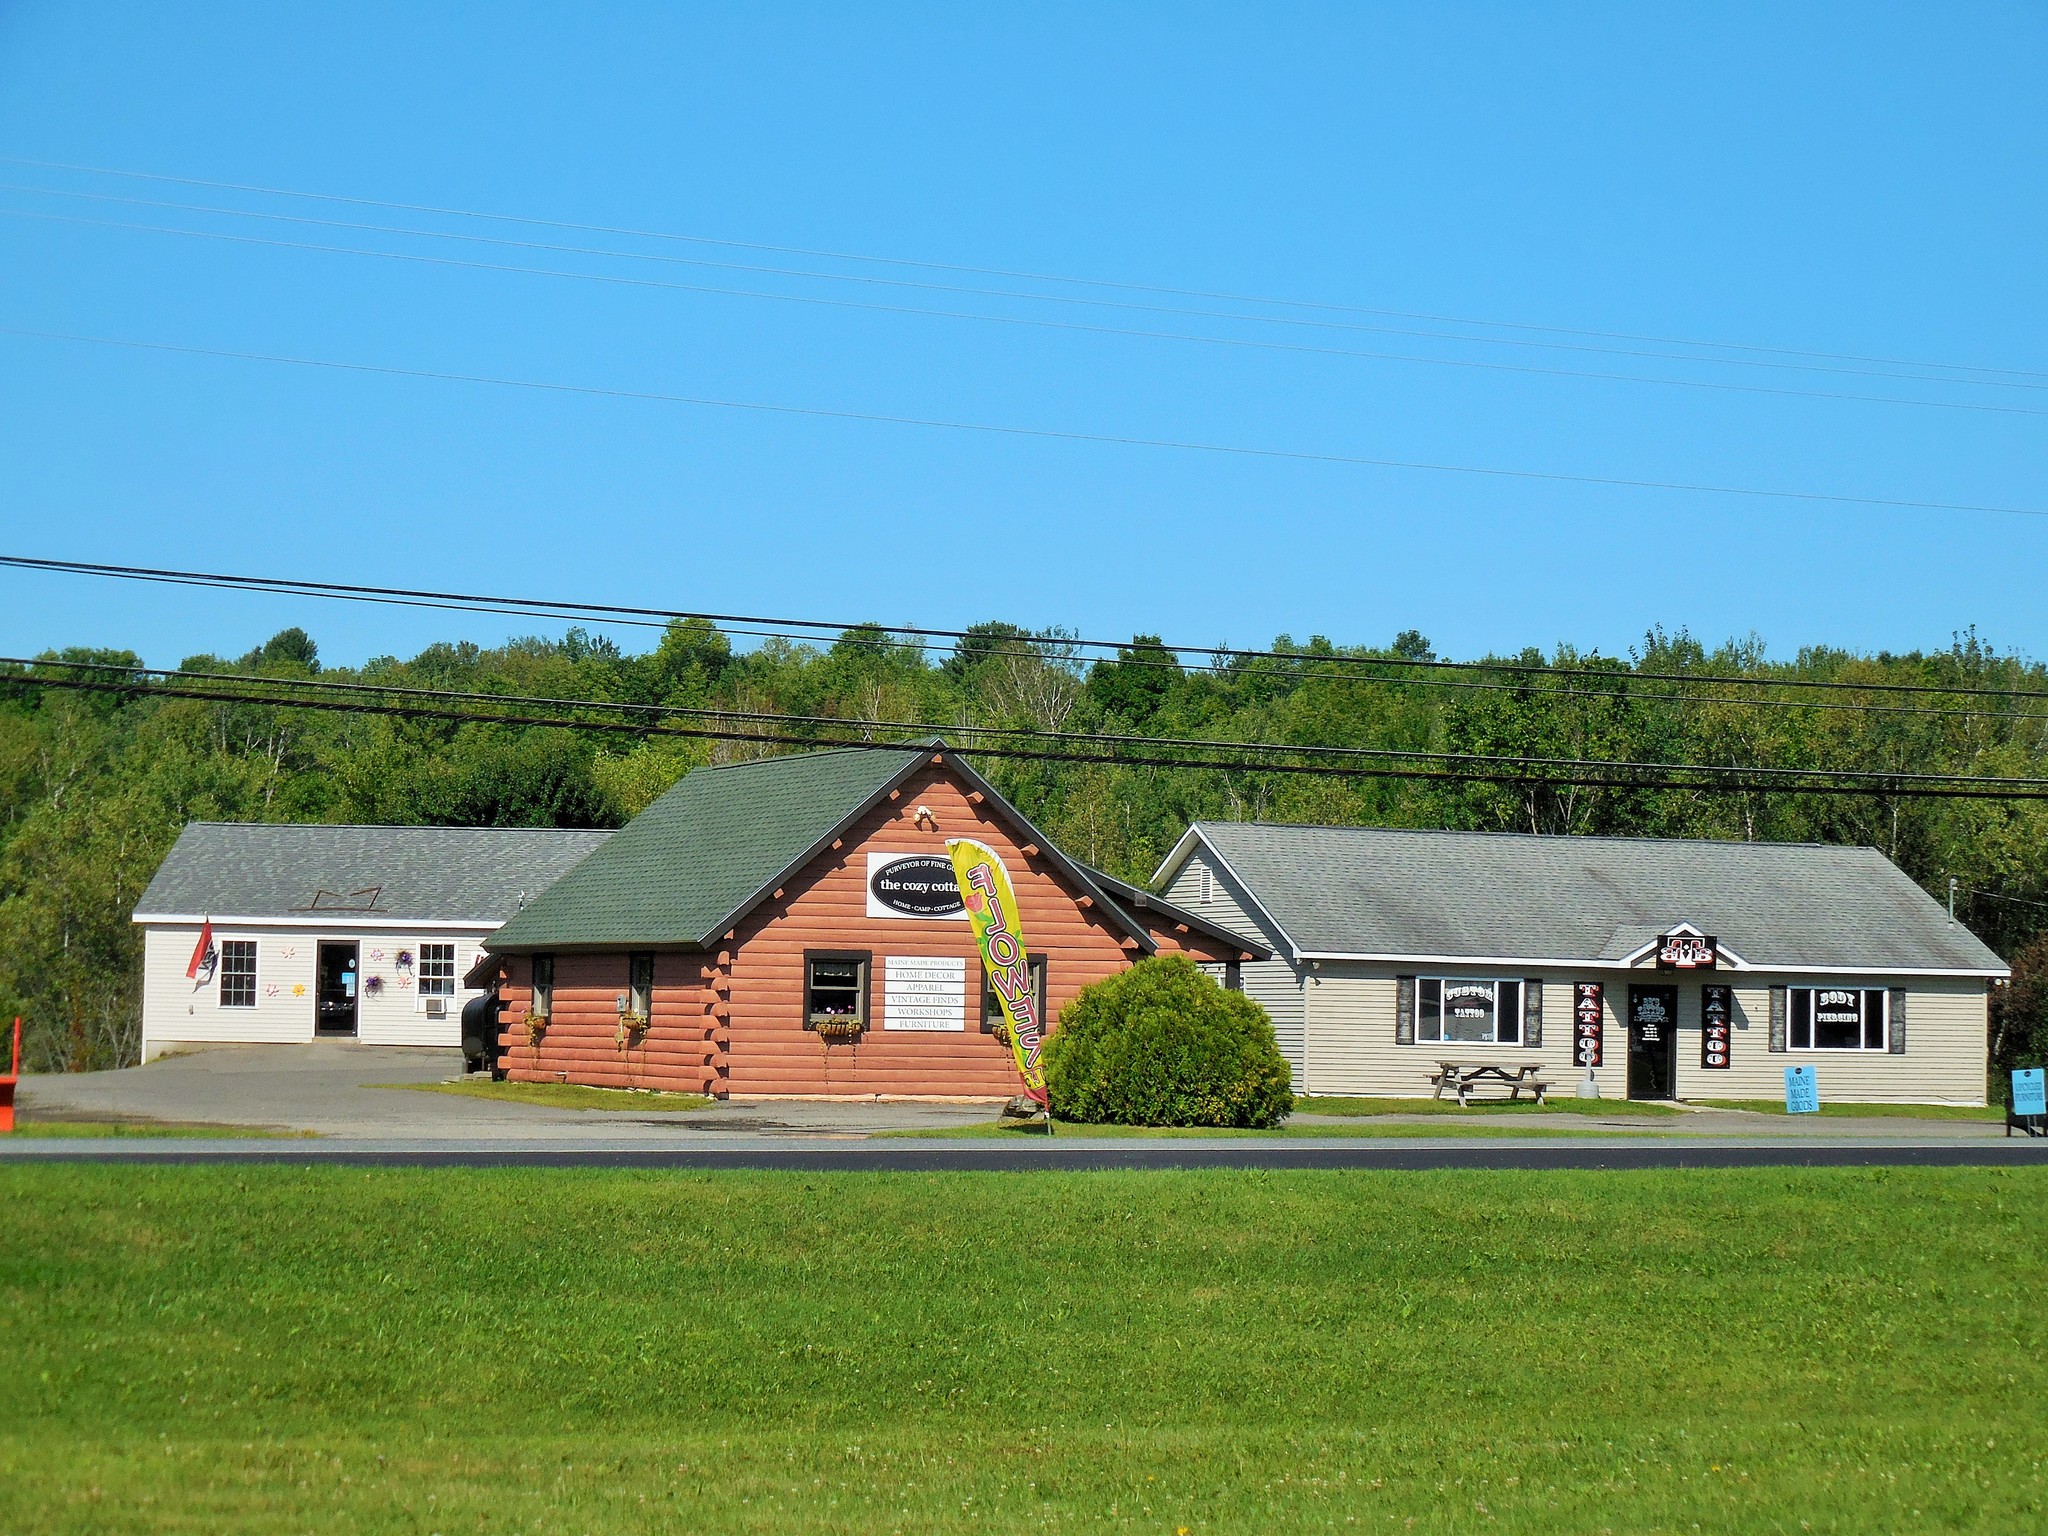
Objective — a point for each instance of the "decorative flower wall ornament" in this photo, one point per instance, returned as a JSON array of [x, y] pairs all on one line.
[[271, 990], [290, 952], [376, 954], [405, 960], [373, 985], [298, 989]]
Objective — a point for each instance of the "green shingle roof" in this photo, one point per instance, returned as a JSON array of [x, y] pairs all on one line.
[[686, 867]]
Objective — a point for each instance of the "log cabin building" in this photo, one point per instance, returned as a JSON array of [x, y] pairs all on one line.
[[790, 928]]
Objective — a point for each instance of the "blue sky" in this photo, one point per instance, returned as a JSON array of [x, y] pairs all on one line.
[[1854, 180]]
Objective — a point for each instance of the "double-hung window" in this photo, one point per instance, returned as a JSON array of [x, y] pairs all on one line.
[[1462, 1010], [835, 988], [1837, 1018], [640, 986], [543, 986], [437, 971], [238, 973]]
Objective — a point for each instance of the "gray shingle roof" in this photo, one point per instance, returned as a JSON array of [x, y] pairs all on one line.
[[1136, 899], [691, 864], [687, 864], [1379, 891], [425, 874]]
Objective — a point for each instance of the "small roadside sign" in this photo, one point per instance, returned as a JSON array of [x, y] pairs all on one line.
[[1802, 1091], [2029, 1095]]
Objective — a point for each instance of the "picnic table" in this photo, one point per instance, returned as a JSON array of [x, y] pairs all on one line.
[[1462, 1078]]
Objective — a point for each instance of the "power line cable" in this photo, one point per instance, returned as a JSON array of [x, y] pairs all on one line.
[[819, 629], [556, 248], [1042, 434], [292, 692], [1332, 667], [1001, 272]]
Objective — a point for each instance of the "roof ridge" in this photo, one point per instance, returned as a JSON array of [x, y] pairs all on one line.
[[392, 826], [1546, 837], [792, 757]]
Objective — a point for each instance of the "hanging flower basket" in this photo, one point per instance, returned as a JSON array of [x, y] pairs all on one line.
[[631, 1027], [840, 1031], [536, 1026]]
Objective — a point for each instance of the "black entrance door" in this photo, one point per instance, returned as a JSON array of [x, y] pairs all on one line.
[[1652, 1042], [334, 990]]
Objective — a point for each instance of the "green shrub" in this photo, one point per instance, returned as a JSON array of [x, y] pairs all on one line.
[[1163, 1044]]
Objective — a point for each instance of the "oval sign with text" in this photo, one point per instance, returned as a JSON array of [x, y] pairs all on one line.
[[913, 885]]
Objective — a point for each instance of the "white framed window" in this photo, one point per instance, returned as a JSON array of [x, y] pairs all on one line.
[[543, 985], [436, 972], [640, 985], [836, 987], [1838, 1018], [238, 973], [1467, 1010]]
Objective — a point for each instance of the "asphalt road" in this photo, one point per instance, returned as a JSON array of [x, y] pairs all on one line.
[[909, 1156]]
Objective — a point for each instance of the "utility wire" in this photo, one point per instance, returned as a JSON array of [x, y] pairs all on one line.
[[1007, 273], [1030, 647], [1043, 434], [1728, 785], [293, 692], [1326, 668], [1012, 294]]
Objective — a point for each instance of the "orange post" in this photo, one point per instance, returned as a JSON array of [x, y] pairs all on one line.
[[7, 1083]]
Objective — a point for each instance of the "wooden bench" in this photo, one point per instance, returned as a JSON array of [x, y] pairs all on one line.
[[1463, 1078]]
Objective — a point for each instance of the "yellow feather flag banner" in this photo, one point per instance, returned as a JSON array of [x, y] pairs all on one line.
[[992, 906]]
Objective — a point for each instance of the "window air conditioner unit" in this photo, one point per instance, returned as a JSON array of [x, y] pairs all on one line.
[[437, 1007]]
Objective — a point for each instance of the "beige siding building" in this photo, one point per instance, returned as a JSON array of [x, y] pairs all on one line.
[[268, 934], [1662, 968]]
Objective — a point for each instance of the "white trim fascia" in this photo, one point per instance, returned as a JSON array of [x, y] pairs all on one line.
[[1507, 962], [1176, 855], [375, 924], [1195, 831]]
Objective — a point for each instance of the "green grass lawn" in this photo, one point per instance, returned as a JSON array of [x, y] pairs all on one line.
[[124, 1128], [1569, 1105], [267, 1349], [563, 1095], [1868, 1111]]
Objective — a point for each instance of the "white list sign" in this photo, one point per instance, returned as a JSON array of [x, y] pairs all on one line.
[[924, 992]]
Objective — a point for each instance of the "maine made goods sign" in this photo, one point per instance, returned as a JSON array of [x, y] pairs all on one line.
[[1717, 1026], [1687, 952], [924, 992], [1802, 1091], [919, 885], [1586, 1016]]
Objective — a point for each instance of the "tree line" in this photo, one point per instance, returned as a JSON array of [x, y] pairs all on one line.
[[94, 787]]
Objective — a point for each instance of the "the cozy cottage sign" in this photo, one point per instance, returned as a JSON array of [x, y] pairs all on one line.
[[919, 885]]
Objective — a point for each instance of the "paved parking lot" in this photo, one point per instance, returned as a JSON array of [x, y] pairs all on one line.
[[348, 1096], [339, 1088]]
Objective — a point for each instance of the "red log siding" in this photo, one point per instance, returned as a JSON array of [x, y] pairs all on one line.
[[679, 1051], [732, 1022]]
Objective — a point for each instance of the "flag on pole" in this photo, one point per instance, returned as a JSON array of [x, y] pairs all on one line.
[[204, 955], [992, 907]]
